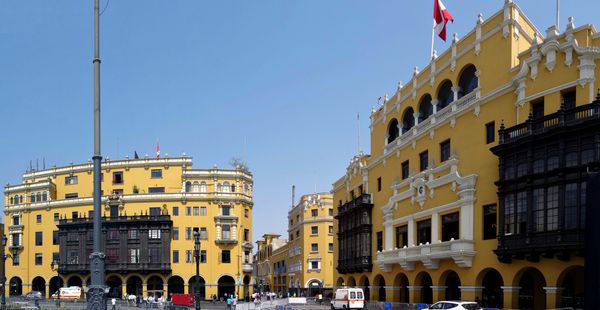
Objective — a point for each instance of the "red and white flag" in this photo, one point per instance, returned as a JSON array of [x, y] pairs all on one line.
[[441, 16], [157, 150]]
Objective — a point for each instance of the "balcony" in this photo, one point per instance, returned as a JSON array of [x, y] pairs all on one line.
[[364, 200], [547, 244], [355, 264], [461, 251], [145, 268], [226, 241], [247, 267]]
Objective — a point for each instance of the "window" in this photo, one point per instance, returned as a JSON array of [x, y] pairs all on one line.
[[203, 233], [571, 208], [188, 186], [156, 189], [44, 196], [175, 211], [188, 211], [539, 218], [314, 247], [424, 232], [73, 236], [202, 256], [490, 132], [569, 99], [246, 212], [489, 222], [38, 218], [379, 241], [297, 233], [203, 211], [175, 233], [16, 220], [38, 238], [314, 212], [113, 234], [450, 224], [134, 256], [445, 150], [509, 211], [331, 247], [330, 211], [112, 256], [38, 197], [405, 170], [118, 177], [71, 180], [188, 233], [154, 233], [32, 198], [16, 259], [246, 235], [314, 230], [56, 217], [331, 230], [71, 195], [379, 184], [314, 265], [156, 173], [56, 257], [226, 257], [55, 237], [118, 192], [133, 234], [38, 258], [203, 187], [72, 257], [188, 256], [401, 236], [154, 255], [537, 109], [154, 211], [521, 212], [424, 160], [226, 187], [225, 210], [175, 257], [196, 211], [226, 232], [195, 187]]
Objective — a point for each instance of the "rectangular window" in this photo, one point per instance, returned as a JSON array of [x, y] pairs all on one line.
[[17, 220], [56, 217], [424, 160], [489, 222], [113, 234], [156, 173], [196, 211], [154, 255], [314, 247], [38, 258], [188, 211], [379, 241], [569, 99], [38, 238], [188, 256], [246, 212], [118, 177], [539, 204], [314, 212], [55, 237], [73, 236], [314, 230], [203, 211], [405, 170], [112, 256], [72, 257], [175, 257], [490, 132], [246, 235], [175, 211], [571, 195], [134, 256], [154, 211], [225, 232], [38, 218], [71, 180], [331, 230], [56, 257], [521, 212], [537, 109], [401, 236], [225, 210], [175, 233], [509, 214], [16, 260], [188, 233], [202, 256], [424, 232], [156, 189], [314, 265], [71, 195], [445, 150], [226, 257], [203, 233], [379, 184], [331, 247], [450, 224], [330, 211], [154, 233], [133, 234]]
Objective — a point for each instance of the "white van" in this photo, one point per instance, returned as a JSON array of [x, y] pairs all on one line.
[[348, 298], [73, 292]]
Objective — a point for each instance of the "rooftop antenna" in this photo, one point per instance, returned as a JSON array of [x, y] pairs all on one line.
[[44, 163], [37, 164], [293, 195]]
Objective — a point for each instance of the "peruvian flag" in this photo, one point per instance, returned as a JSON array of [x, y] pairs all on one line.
[[441, 16], [157, 150]]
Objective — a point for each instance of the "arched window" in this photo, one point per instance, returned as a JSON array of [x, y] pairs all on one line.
[[393, 131], [219, 187], [445, 95], [233, 188], [38, 197], [44, 196], [16, 199], [425, 108], [468, 81], [188, 186], [226, 187], [408, 121], [203, 187], [196, 186], [32, 198], [12, 201], [21, 200]]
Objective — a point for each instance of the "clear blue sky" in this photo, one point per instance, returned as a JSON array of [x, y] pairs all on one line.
[[289, 75]]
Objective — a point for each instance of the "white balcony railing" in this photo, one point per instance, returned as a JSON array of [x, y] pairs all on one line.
[[461, 251]]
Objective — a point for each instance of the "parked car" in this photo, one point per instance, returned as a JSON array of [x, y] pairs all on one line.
[[34, 295], [455, 305], [348, 298]]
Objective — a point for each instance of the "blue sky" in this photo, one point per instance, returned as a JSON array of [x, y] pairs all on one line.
[[286, 76]]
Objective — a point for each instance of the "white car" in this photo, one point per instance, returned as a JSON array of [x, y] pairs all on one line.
[[348, 298], [455, 305]]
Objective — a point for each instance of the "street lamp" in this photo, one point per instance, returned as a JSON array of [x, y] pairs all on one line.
[[4, 256], [52, 264], [197, 256]]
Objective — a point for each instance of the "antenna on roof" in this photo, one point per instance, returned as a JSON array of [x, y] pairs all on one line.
[[44, 163], [293, 195]]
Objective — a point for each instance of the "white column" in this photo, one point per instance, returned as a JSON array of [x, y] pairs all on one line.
[[435, 235], [455, 92], [416, 116], [466, 222], [434, 104], [411, 232], [388, 232]]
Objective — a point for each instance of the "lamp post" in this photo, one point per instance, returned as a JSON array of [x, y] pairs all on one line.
[[52, 264], [197, 256], [4, 256]]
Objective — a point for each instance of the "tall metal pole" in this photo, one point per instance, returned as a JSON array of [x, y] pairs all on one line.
[[96, 295], [197, 256]]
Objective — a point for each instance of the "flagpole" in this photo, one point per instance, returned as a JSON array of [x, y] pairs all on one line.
[[558, 15], [432, 37]]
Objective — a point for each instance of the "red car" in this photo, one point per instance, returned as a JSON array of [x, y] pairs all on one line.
[[187, 300]]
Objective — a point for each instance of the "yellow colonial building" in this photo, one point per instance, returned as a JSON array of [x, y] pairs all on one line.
[[271, 251], [151, 208], [475, 186]]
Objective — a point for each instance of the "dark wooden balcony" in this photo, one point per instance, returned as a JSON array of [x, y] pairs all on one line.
[[355, 264], [143, 268], [560, 244]]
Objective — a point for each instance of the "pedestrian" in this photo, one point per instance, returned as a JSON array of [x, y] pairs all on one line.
[[113, 302], [37, 304], [234, 302], [228, 300]]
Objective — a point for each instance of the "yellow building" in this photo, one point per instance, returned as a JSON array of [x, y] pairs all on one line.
[[151, 208], [475, 182], [268, 253]]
